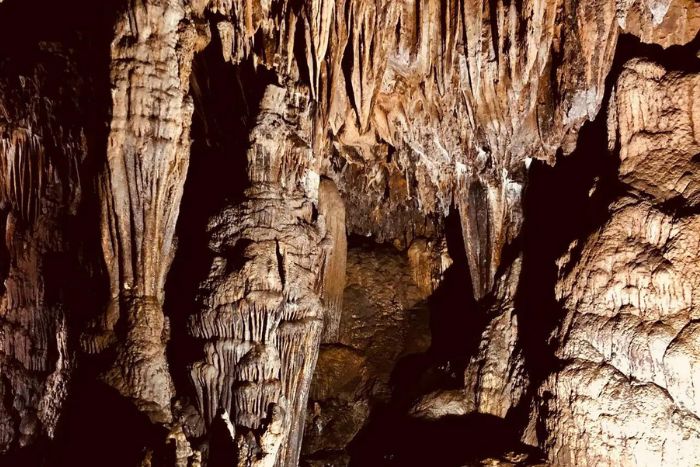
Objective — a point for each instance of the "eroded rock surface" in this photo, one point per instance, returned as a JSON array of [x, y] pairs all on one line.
[[261, 316], [384, 318], [412, 124], [627, 392]]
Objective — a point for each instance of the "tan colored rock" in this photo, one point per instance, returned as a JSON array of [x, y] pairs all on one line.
[[428, 261], [603, 417], [141, 188], [261, 315], [383, 117], [332, 208], [495, 379], [657, 131], [627, 333], [460, 96], [339, 372], [627, 394], [627, 336], [678, 25], [440, 404]]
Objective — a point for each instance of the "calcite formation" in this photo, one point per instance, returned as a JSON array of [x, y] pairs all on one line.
[[627, 392], [201, 199], [43, 146], [261, 317]]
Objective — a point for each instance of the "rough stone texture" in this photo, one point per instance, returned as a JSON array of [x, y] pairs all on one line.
[[495, 378], [628, 391], [374, 118], [381, 322], [676, 25], [147, 154], [261, 315], [332, 208], [653, 119], [528, 75], [42, 147]]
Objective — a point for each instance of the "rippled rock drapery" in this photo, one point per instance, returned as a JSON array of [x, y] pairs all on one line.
[[413, 123], [147, 154]]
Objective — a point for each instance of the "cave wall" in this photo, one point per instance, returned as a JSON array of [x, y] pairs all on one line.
[[202, 198], [628, 340]]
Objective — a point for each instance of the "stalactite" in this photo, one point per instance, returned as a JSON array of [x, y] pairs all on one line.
[[331, 207], [41, 149], [378, 119]]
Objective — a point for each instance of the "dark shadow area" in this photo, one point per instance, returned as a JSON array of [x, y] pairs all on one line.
[[227, 99], [673, 58], [23, 24], [56, 56], [558, 210], [448, 442], [222, 449], [391, 436], [64, 47], [103, 428], [455, 320]]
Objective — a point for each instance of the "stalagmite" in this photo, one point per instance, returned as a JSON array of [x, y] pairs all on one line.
[[261, 317], [478, 217]]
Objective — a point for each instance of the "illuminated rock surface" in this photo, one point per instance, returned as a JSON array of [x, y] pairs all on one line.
[[364, 232]]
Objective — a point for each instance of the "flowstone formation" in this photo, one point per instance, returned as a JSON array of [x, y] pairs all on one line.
[[627, 394], [316, 232]]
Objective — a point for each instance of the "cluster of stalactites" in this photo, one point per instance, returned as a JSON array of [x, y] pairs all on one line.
[[466, 91], [492, 56]]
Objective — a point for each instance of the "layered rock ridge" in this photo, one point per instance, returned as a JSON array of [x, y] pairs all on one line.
[[626, 393]]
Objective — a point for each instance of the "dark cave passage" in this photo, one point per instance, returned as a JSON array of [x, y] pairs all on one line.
[[389, 435]]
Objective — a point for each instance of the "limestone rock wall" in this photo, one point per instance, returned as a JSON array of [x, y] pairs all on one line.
[[412, 124], [627, 341]]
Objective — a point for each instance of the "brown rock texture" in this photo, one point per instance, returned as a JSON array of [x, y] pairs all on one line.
[[280, 233], [384, 320], [627, 393]]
